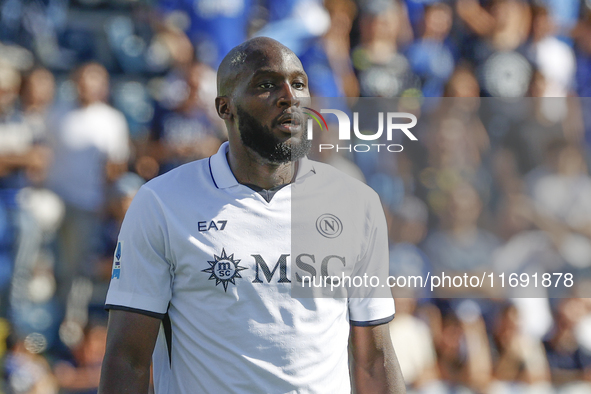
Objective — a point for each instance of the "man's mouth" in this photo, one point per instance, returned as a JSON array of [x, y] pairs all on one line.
[[289, 122]]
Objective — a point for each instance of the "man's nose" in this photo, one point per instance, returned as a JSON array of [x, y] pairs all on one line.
[[288, 96]]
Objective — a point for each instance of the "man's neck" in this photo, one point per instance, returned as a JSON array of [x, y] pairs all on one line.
[[249, 168]]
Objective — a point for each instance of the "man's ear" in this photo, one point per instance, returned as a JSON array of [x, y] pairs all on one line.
[[222, 106]]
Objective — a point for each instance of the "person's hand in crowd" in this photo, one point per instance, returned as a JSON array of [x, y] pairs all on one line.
[[582, 34], [34, 161], [38, 157], [520, 358], [89, 356], [463, 352], [476, 17]]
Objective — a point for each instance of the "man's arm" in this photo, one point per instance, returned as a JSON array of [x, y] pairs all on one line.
[[375, 366], [130, 342]]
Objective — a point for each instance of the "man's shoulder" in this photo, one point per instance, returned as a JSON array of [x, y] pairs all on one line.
[[328, 171], [334, 177]]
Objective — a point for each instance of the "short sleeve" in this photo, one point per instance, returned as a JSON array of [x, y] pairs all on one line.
[[142, 275], [372, 304]]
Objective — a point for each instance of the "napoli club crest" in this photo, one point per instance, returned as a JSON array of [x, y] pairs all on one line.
[[224, 269]]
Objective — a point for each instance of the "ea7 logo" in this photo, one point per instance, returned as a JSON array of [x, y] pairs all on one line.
[[392, 123], [219, 225]]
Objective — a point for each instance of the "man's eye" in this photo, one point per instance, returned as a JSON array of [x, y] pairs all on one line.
[[298, 85], [266, 85]]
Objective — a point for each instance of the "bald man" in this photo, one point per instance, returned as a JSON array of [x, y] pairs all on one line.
[[201, 280]]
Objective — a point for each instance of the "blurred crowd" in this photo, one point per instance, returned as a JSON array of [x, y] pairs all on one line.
[[99, 96]]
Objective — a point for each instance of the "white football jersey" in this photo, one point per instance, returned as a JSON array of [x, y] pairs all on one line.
[[215, 260]]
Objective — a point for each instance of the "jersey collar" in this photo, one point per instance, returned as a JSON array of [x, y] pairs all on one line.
[[224, 178]]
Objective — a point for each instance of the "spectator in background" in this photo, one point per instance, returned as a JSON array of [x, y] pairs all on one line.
[[32, 306], [461, 245], [526, 249], [553, 58], [187, 130], [82, 374], [407, 227], [569, 362], [456, 145], [337, 43], [186, 93], [565, 14], [519, 361], [90, 145], [36, 99], [463, 353], [414, 349], [456, 140], [301, 25], [497, 47], [583, 327], [22, 160], [213, 26], [119, 197], [462, 83], [431, 57], [27, 371], [381, 69], [11, 163], [170, 91], [582, 36], [561, 196], [548, 120]]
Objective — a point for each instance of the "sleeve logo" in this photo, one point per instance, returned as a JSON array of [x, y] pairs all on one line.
[[117, 261]]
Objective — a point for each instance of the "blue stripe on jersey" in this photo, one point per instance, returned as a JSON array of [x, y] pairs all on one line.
[[369, 323]]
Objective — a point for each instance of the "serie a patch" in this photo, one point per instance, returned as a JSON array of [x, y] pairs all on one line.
[[117, 261]]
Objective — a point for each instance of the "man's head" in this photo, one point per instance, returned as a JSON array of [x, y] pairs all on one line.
[[92, 81], [10, 83], [38, 89], [261, 85]]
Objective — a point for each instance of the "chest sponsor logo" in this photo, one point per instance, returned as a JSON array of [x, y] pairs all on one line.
[[117, 261], [329, 226], [224, 269], [267, 273]]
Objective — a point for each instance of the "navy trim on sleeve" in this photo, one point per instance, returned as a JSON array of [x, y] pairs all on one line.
[[371, 322], [140, 311]]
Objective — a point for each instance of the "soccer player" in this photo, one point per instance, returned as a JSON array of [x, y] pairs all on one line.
[[201, 279]]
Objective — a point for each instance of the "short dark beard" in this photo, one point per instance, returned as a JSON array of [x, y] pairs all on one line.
[[261, 140]]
